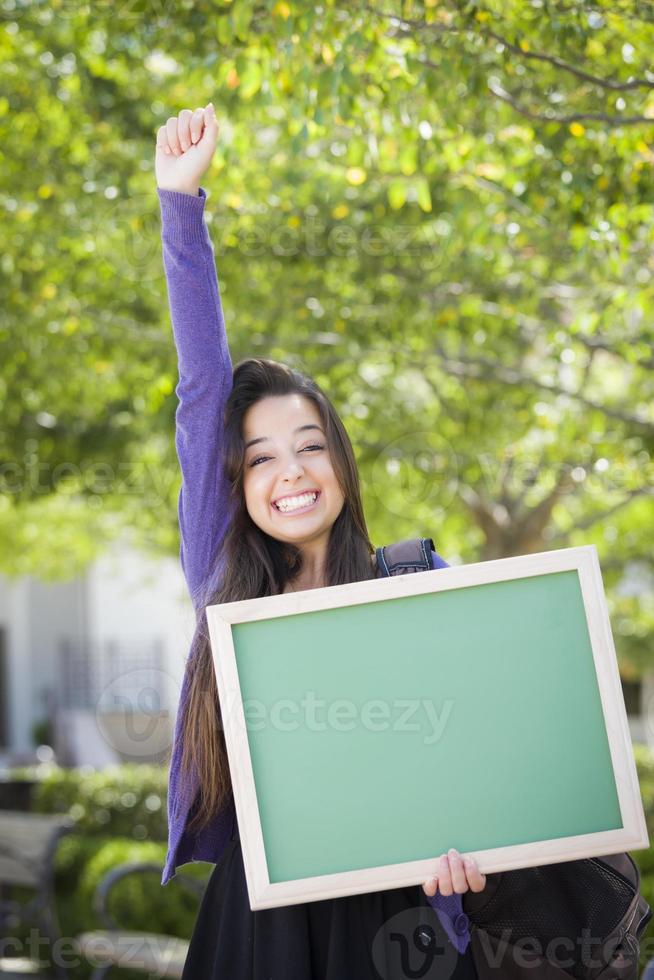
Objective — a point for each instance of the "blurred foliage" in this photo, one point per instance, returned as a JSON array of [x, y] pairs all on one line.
[[440, 210], [137, 902], [86, 856], [122, 801], [120, 816]]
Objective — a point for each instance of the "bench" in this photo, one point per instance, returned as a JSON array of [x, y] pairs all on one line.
[[28, 842], [152, 953]]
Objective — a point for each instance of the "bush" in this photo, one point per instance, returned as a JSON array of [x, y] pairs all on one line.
[[120, 815], [121, 801], [138, 902]]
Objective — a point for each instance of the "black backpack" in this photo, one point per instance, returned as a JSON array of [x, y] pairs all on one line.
[[412, 555], [576, 918]]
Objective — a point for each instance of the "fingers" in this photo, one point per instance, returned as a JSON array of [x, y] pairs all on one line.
[[430, 887], [183, 131], [476, 879], [459, 878], [173, 139], [162, 140], [445, 875], [197, 125], [211, 123], [455, 876]]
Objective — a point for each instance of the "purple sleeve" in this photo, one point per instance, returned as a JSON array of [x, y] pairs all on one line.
[[205, 381], [437, 561]]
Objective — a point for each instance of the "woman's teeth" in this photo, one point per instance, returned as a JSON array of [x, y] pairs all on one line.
[[296, 503]]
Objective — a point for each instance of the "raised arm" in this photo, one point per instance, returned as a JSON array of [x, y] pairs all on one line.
[[185, 146]]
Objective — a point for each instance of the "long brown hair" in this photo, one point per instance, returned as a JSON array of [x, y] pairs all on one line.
[[260, 565]]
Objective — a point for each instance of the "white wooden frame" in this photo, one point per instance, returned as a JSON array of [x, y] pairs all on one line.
[[221, 618]]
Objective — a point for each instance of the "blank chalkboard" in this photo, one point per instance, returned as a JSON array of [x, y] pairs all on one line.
[[372, 726]]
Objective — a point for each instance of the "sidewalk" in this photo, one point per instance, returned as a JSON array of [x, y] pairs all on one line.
[[17, 969]]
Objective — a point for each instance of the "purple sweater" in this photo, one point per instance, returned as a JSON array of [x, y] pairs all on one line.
[[205, 381]]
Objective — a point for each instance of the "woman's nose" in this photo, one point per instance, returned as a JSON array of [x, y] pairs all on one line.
[[293, 470]]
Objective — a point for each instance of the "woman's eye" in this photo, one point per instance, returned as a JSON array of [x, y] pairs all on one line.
[[260, 459]]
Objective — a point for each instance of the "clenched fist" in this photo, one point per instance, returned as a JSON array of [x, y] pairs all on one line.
[[185, 146]]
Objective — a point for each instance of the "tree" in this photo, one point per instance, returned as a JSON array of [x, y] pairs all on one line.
[[440, 210]]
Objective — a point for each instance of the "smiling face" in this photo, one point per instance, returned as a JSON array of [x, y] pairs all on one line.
[[286, 456]]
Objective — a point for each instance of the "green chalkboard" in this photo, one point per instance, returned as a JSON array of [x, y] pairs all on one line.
[[372, 726], [470, 717]]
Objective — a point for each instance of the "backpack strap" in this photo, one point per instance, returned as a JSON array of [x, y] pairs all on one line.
[[412, 555]]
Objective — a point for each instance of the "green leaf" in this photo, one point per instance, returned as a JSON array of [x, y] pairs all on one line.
[[241, 17], [424, 194], [396, 193], [250, 80], [408, 159], [225, 29]]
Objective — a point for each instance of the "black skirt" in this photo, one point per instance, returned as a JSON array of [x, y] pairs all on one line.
[[387, 935]]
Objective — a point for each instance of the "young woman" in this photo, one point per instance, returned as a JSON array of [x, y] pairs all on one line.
[[270, 503]]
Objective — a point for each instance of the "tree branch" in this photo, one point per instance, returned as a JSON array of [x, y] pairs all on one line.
[[572, 117], [532, 327], [606, 83], [592, 519], [498, 188], [594, 344], [406, 22], [467, 367], [533, 524]]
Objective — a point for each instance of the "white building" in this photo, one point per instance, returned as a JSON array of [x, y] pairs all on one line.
[[99, 658]]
